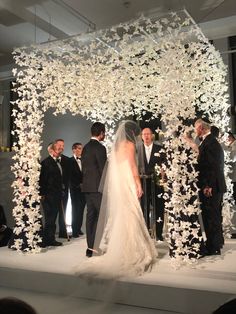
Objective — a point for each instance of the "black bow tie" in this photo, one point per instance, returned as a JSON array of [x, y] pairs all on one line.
[[78, 158], [58, 160]]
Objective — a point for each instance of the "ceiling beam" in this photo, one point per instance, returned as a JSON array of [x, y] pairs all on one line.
[[15, 6]]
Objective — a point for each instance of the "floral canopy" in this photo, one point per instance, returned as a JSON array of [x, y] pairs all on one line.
[[163, 65]]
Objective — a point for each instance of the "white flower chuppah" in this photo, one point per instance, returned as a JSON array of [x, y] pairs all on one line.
[[164, 66]]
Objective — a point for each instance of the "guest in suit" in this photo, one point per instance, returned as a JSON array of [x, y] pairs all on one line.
[[212, 186], [147, 162], [51, 191], [5, 232], [77, 197], [93, 161], [65, 164]]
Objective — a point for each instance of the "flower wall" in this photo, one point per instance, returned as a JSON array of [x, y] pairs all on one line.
[[165, 66]]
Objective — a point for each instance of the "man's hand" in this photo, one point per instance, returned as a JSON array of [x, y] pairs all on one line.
[[207, 191]]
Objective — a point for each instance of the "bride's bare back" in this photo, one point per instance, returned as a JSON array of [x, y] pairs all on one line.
[[126, 152]]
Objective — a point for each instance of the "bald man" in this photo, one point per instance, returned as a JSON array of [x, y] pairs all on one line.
[[212, 186]]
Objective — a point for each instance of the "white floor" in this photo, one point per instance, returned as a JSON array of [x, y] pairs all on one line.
[[215, 275], [66, 258], [50, 304]]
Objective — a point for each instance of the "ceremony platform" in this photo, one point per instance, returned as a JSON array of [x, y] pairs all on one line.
[[48, 282]]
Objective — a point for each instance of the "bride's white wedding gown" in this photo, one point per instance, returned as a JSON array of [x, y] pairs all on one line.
[[129, 250]]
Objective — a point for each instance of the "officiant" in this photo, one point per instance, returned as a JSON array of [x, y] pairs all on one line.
[[152, 197]]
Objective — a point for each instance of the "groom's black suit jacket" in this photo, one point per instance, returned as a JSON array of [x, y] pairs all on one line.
[[93, 161]]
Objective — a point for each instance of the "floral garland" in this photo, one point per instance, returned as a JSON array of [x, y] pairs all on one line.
[[164, 66]]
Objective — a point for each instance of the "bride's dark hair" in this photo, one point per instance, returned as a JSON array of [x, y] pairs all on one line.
[[128, 130], [132, 130]]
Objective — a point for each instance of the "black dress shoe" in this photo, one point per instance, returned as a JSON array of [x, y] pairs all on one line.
[[215, 252], [75, 236], [81, 233], [42, 245], [55, 243], [218, 252], [89, 253]]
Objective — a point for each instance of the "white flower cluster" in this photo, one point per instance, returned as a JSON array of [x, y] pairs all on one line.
[[164, 66]]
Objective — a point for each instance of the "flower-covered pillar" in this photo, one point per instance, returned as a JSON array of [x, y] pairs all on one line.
[[28, 129]]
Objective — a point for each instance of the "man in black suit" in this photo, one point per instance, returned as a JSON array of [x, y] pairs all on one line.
[[212, 186], [51, 190], [65, 164], [5, 232], [77, 197], [93, 161], [152, 188]]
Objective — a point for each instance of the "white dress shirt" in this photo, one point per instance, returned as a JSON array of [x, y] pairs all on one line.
[[148, 151]]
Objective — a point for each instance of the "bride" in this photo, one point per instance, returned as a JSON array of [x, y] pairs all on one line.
[[121, 231]]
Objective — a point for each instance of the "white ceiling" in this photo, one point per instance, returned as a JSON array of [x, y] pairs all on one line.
[[23, 22]]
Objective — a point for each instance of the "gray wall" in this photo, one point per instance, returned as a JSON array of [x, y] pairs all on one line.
[[70, 128]]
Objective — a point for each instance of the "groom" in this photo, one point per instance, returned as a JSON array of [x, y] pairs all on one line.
[[93, 160]]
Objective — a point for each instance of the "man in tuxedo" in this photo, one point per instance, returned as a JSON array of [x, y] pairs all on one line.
[[93, 161], [77, 197], [152, 188], [51, 191], [212, 186], [65, 164]]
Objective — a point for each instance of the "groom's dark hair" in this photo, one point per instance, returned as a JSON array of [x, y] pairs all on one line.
[[97, 128]]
